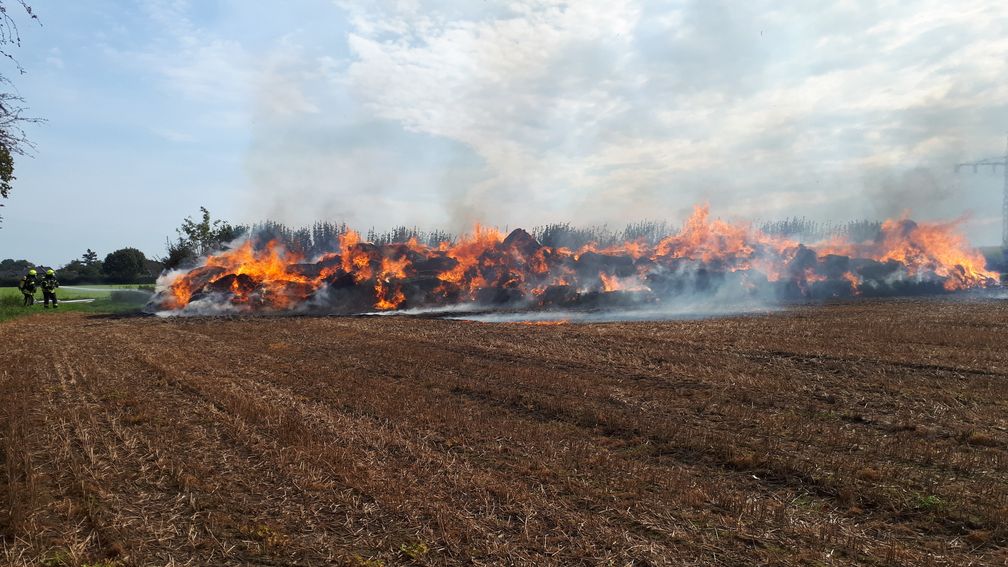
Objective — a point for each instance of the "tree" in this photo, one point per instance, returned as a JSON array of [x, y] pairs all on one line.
[[88, 269], [11, 271], [199, 238], [13, 140], [180, 253], [125, 265], [206, 236], [71, 272]]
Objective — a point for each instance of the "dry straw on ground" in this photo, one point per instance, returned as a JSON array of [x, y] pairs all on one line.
[[866, 433]]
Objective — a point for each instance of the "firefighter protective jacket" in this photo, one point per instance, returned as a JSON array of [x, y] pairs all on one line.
[[28, 283]]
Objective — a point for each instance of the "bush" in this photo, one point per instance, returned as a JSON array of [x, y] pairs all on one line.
[[181, 254], [125, 265], [76, 272]]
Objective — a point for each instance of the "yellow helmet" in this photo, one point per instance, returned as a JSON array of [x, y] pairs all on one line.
[[32, 272], [50, 272]]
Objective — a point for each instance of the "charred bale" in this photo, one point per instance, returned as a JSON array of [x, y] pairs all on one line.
[[590, 264], [312, 271], [668, 282], [901, 287], [558, 295], [200, 277], [832, 288], [241, 284], [434, 265], [428, 291], [878, 273], [373, 253], [705, 280], [500, 296], [788, 289], [833, 266], [341, 280], [804, 259], [345, 298], [521, 242]]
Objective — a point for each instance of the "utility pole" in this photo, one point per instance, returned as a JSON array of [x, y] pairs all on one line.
[[994, 163]]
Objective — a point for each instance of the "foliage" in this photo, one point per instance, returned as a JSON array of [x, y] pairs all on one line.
[[199, 238], [19, 266], [564, 235], [860, 230], [179, 253], [125, 265], [11, 271], [86, 270], [206, 235], [807, 230], [308, 240], [9, 34], [404, 234], [196, 239], [13, 140], [929, 502], [648, 231], [6, 171]]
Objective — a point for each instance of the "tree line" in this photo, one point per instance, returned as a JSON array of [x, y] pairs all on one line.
[[196, 238], [123, 266]]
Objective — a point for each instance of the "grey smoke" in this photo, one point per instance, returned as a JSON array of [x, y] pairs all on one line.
[[611, 112]]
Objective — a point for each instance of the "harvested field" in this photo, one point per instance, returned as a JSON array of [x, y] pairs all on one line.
[[870, 432]]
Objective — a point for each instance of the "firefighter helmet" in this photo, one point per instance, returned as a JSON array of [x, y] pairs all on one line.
[[32, 272], [50, 272]]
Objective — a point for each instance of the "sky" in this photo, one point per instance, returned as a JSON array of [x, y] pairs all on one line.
[[442, 114]]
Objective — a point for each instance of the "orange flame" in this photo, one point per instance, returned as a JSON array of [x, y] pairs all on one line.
[[616, 283], [412, 273], [390, 296], [923, 249], [467, 252]]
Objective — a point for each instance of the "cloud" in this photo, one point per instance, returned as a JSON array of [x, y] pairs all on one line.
[[524, 89], [606, 109], [207, 69], [532, 111]]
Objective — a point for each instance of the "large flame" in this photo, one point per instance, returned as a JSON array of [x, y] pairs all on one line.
[[924, 250], [485, 266]]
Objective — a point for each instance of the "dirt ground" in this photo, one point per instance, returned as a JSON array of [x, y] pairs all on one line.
[[870, 432]]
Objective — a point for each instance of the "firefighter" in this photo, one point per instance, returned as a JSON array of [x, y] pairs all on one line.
[[27, 286], [49, 285]]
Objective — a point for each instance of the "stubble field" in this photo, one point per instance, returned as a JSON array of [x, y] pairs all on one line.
[[870, 432]]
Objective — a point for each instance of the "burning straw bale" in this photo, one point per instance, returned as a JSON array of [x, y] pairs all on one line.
[[707, 257]]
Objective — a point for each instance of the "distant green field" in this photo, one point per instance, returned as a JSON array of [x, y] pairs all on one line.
[[107, 299]]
